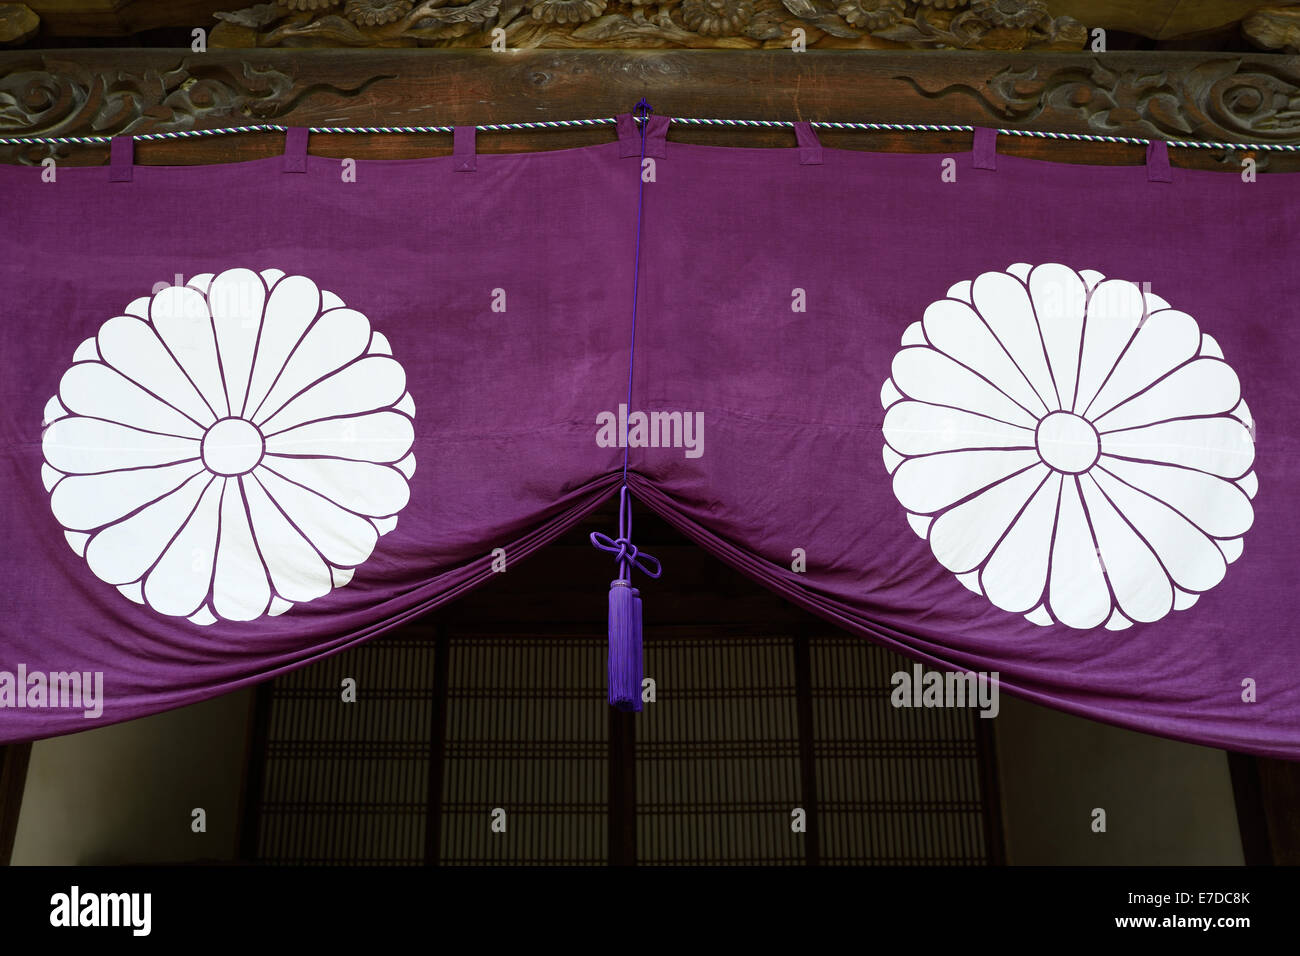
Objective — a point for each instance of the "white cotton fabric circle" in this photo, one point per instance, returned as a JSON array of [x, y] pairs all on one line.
[[1071, 447], [231, 447]]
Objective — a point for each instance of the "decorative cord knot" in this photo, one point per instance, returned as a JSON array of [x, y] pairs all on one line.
[[626, 553]]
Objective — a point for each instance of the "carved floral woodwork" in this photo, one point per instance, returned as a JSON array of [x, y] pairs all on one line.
[[734, 24], [1220, 99], [55, 95], [1158, 19], [1252, 98]]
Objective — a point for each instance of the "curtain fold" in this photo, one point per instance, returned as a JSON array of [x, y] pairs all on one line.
[[257, 412], [1002, 415], [1030, 420]]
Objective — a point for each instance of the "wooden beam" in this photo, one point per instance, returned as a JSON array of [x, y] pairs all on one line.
[[1161, 19], [1230, 97], [119, 18]]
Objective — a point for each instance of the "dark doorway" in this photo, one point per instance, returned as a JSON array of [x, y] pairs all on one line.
[[764, 715]]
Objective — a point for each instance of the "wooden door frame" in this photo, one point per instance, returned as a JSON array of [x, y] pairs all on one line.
[[1267, 797], [14, 759]]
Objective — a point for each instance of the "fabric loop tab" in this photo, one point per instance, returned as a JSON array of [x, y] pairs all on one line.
[[984, 149], [295, 149], [629, 136], [810, 147], [1158, 169], [122, 159], [463, 149]]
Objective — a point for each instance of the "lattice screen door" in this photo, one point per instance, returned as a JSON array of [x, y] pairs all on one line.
[[461, 722]]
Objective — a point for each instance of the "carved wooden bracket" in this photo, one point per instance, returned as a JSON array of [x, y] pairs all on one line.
[[17, 23], [1253, 98], [1274, 28]]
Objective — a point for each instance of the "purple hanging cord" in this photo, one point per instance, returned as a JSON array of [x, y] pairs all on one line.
[[625, 659]]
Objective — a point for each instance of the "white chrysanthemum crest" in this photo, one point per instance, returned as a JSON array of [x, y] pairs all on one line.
[[1071, 447], [229, 447]]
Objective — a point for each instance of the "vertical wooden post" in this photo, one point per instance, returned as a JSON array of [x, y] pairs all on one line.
[[1267, 794], [437, 743], [13, 777], [622, 788], [1279, 786], [250, 793], [995, 844], [807, 758]]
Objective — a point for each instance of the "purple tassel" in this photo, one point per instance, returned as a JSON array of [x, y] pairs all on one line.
[[625, 667], [624, 646]]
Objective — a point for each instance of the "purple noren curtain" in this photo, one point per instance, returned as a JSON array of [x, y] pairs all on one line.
[[1001, 415]]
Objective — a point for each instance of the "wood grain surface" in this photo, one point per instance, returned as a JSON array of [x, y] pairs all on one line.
[[1149, 95]]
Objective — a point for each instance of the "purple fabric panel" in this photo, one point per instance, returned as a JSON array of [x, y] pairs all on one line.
[[121, 159], [1158, 169], [795, 424], [504, 401], [629, 136], [984, 148], [810, 147], [464, 149], [295, 149], [816, 343]]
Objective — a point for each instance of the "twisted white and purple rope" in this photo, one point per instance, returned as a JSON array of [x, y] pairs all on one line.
[[684, 121]]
